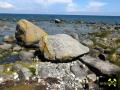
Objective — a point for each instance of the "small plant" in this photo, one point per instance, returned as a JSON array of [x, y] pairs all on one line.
[[33, 70]]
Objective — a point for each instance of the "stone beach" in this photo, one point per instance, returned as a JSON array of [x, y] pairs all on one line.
[[69, 60]]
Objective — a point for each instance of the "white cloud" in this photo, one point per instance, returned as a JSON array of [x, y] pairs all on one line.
[[72, 7], [49, 2], [6, 5], [92, 6], [95, 5]]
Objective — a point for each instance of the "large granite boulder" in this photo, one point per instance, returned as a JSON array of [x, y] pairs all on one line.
[[61, 47], [28, 33]]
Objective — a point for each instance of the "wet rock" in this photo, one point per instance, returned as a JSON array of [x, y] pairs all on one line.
[[99, 66], [26, 55], [9, 39], [10, 58], [88, 42], [6, 46], [61, 47], [57, 21], [28, 33]]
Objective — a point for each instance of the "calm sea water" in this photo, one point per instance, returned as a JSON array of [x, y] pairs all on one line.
[[37, 17]]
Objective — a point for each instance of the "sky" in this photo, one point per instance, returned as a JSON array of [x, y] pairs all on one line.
[[74, 7]]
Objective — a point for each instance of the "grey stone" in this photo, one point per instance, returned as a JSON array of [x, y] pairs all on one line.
[[24, 73], [17, 48], [9, 39], [101, 66], [74, 35], [92, 77], [49, 71], [78, 70], [88, 42], [17, 67], [6, 46], [61, 47], [57, 21], [26, 55]]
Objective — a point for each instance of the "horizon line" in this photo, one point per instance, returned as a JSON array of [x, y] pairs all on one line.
[[57, 14]]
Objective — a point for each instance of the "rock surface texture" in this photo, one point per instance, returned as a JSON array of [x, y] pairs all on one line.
[[28, 33], [61, 47], [101, 66]]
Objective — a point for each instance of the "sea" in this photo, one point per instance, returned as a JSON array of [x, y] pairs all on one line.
[[40, 17]]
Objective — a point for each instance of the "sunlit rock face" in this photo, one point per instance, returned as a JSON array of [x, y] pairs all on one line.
[[28, 33], [61, 47]]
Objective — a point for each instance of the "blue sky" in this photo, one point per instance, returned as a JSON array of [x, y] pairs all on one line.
[[80, 7]]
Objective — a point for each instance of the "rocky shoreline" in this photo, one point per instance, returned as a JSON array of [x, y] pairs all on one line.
[[58, 62]]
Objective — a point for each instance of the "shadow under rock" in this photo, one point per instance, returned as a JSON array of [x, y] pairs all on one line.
[[40, 55]]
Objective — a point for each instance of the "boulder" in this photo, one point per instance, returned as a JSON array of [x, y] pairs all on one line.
[[61, 47], [26, 55], [99, 66], [28, 33]]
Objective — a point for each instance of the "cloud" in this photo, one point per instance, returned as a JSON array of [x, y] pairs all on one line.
[[72, 7], [92, 6], [6, 5], [95, 6], [50, 2]]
